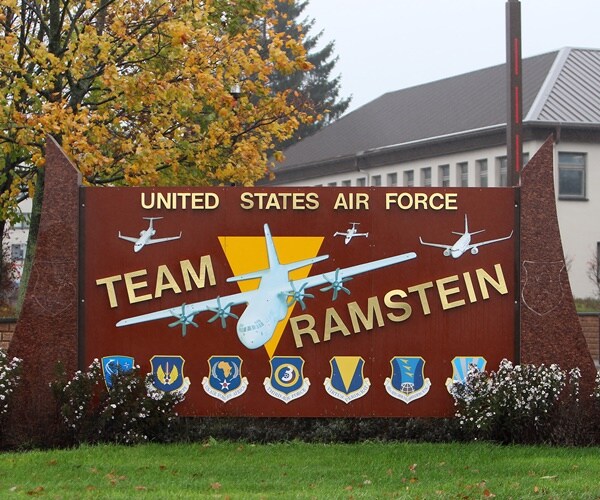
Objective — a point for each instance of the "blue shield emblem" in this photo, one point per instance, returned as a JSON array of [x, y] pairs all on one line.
[[225, 381], [286, 382], [168, 375], [461, 366], [408, 381], [347, 382], [112, 365]]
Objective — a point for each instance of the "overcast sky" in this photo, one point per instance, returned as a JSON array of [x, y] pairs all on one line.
[[387, 45]]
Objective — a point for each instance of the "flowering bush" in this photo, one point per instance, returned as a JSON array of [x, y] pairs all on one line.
[[596, 393], [129, 412], [513, 404], [10, 372]]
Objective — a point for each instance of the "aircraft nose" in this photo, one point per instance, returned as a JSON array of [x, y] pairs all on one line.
[[254, 335]]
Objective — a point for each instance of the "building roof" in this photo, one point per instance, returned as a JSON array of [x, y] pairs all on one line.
[[560, 87]]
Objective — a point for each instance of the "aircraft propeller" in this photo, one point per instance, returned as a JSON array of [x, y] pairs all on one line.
[[298, 296], [337, 284], [222, 312], [184, 320]]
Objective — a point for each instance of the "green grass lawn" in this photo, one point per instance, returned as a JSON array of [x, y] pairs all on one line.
[[299, 470]]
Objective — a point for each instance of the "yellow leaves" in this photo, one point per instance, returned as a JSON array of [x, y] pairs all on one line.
[[180, 33], [125, 110]]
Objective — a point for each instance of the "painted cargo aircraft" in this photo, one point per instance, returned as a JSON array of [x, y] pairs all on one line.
[[145, 237], [463, 244], [350, 233], [268, 304]]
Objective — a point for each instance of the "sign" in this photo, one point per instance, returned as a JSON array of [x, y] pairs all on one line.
[[299, 301]]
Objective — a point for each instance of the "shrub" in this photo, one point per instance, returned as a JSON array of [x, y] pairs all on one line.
[[131, 411], [10, 373], [514, 404]]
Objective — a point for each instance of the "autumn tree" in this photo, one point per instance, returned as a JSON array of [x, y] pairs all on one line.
[[317, 90], [141, 92]]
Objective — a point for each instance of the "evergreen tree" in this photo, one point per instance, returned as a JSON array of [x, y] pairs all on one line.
[[316, 89]]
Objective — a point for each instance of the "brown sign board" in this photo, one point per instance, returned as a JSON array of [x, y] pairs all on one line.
[[300, 301]]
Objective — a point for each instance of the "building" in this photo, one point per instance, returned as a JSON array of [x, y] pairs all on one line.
[[452, 132], [15, 241]]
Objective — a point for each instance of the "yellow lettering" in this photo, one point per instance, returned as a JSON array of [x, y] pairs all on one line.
[[470, 288], [246, 201], [205, 269], [444, 293], [333, 324], [110, 288], [341, 202], [132, 287], [420, 289], [165, 281], [483, 278], [308, 329], [373, 310], [391, 304]]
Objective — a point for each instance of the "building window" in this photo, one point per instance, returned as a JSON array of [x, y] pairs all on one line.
[[571, 175], [462, 172], [502, 168], [482, 173], [409, 178], [392, 179], [17, 252], [376, 180], [24, 223], [332, 184], [426, 177], [361, 182], [444, 175], [346, 183]]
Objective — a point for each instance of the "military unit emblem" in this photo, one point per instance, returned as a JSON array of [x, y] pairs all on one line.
[[225, 381], [408, 381], [287, 381], [113, 365], [168, 375], [461, 366], [347, 382]]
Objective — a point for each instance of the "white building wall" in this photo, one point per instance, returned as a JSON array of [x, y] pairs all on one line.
[[579, 220], [15, 241]]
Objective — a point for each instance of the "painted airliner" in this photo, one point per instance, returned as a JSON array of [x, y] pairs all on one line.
[[145, 237], [268, 304], [463, 244], [350, 233]]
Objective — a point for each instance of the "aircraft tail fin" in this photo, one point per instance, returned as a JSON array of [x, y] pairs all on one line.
[[271, 252]]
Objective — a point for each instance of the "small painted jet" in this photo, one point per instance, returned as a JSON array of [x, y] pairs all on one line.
[[463, 244], [268, 304], [350, 233], [145, 237]]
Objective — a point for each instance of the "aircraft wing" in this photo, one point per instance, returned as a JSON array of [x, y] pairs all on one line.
[[190, 310], [437, 245], [475, 245], [327, 278], [161, 240], [129, 238]]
